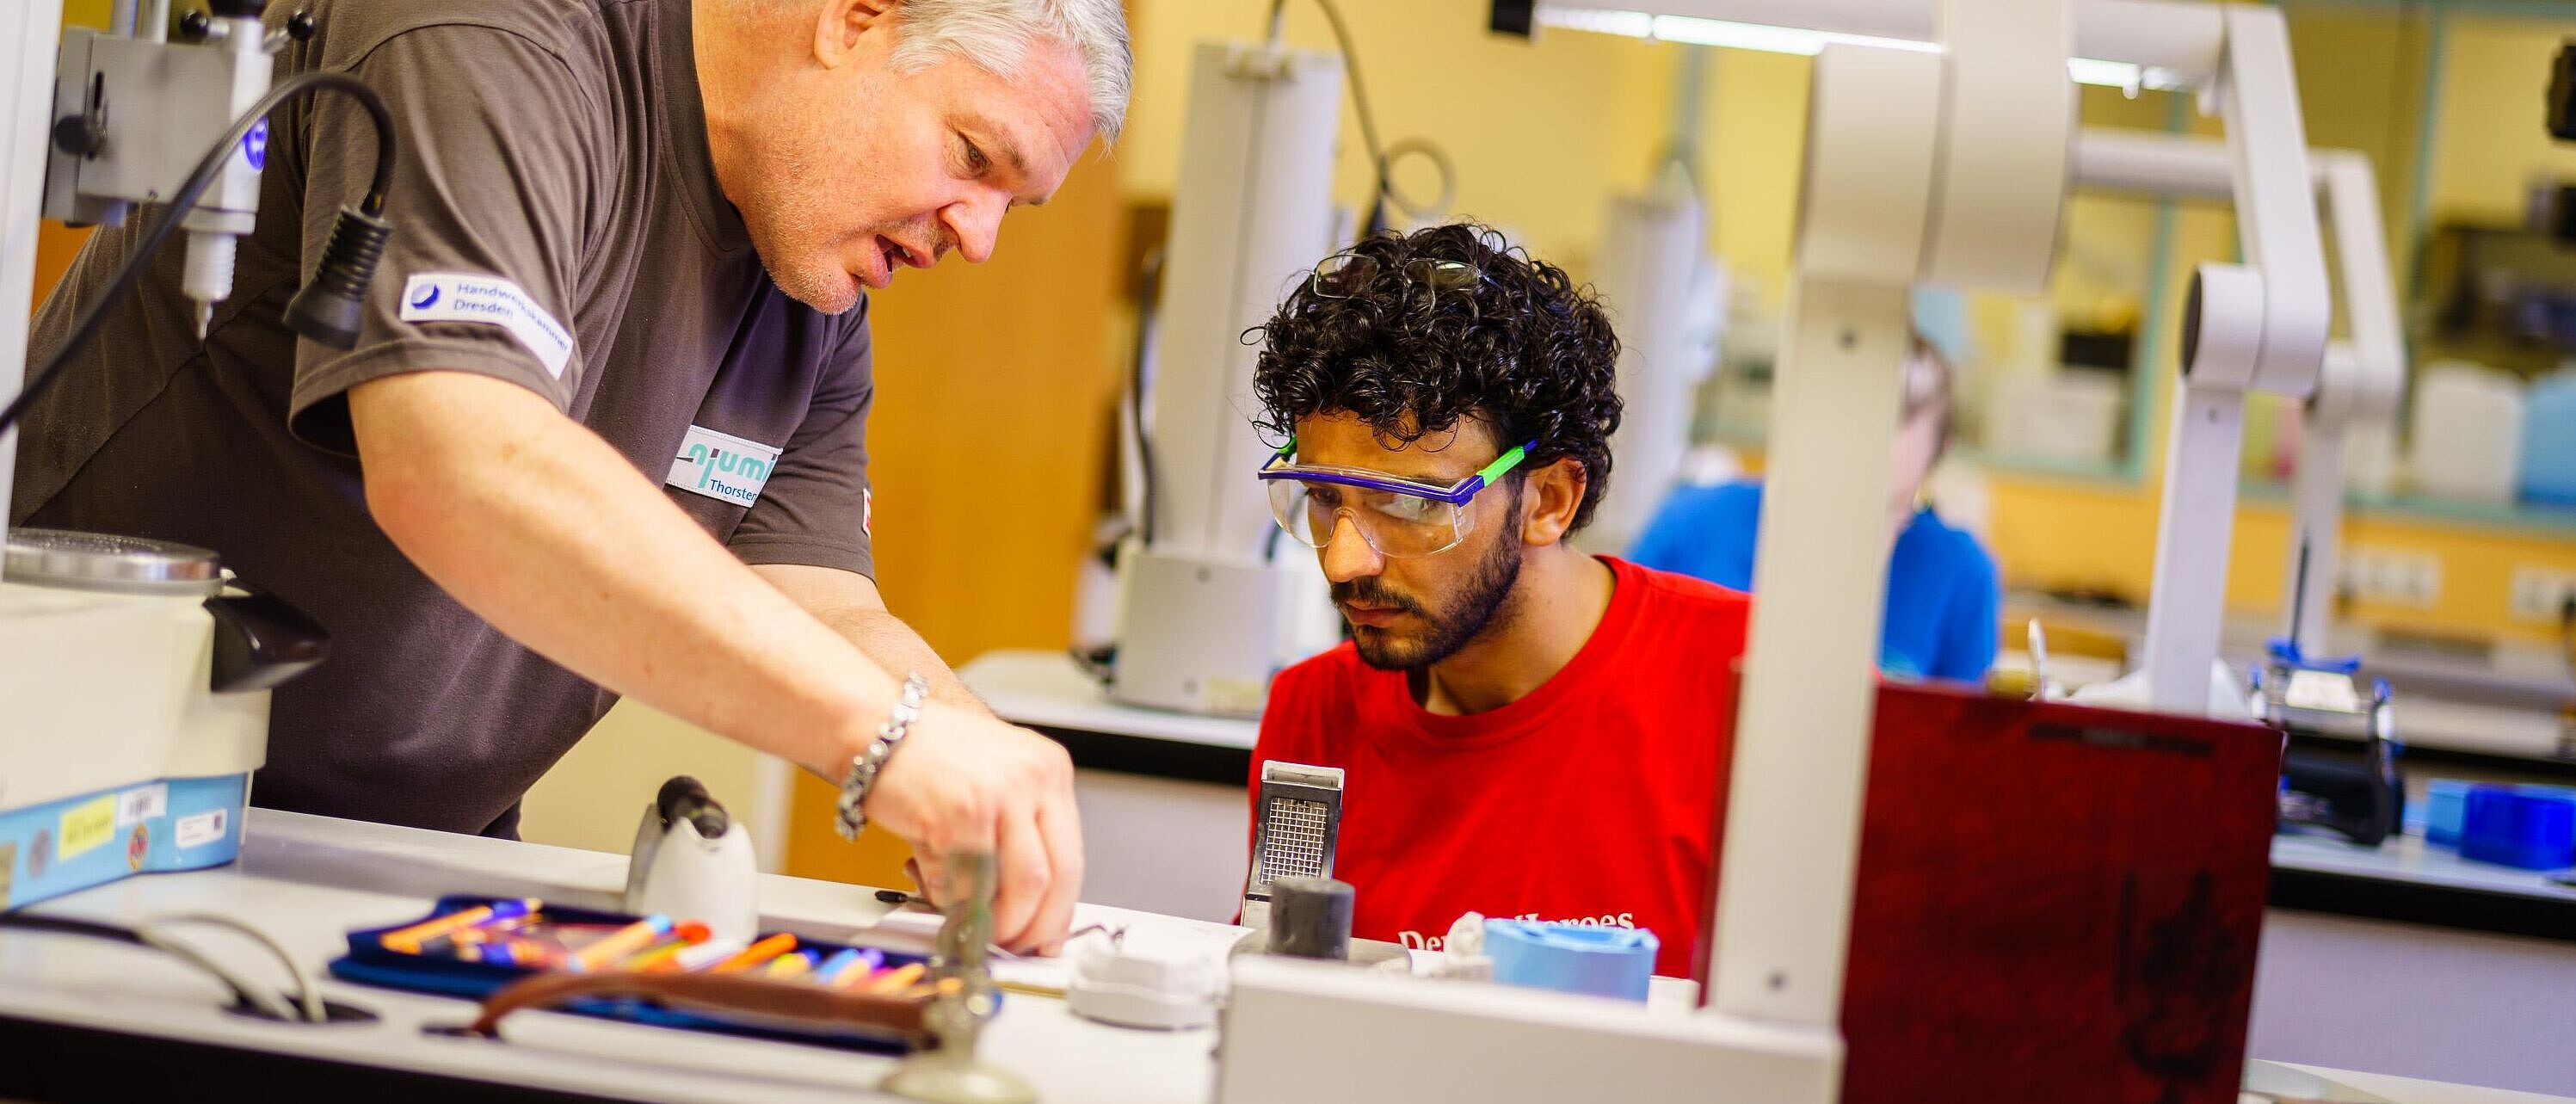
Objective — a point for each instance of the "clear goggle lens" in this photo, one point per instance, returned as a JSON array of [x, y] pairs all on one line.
[[1396, 524]]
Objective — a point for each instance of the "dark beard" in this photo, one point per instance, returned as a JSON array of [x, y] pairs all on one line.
[[1469, 617]]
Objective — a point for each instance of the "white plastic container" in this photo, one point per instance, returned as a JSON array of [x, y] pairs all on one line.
[[2467, 439], [2370, 459], [2070, 416]]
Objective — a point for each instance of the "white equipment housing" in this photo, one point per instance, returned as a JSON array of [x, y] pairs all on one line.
[[27, 95], [1252, 212], [99, 686], [1947, 166], [1659, 286], [118, 753]]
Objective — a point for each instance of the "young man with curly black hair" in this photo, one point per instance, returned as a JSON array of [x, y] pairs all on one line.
[[1526, 730]]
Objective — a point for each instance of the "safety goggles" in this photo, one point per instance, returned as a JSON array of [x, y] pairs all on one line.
[[1399, 518], [1346, 275]]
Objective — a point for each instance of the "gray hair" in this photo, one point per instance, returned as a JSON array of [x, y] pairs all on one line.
[[996, 35]]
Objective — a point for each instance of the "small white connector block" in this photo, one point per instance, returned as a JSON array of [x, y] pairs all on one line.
[[1141, 986], [2540, 595], [2390, 577]]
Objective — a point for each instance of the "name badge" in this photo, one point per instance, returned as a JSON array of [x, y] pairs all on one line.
[[722, 466]]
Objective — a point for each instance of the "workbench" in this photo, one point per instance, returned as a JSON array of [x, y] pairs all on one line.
[[2401, 958], [88, 1019]]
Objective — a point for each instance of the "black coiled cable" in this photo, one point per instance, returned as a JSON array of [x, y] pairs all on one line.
[[370, 210]]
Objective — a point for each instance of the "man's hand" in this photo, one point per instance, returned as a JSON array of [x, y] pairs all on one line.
[[964, 782], [573, 555]]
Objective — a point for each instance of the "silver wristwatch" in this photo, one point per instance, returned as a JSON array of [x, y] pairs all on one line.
[[865, 765]]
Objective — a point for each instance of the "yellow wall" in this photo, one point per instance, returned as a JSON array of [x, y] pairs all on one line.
[[2492, 143], [1754, 146], [2062, 534], [1542, 134]]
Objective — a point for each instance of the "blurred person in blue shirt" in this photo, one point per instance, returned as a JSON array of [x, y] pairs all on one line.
[[1943, 597]]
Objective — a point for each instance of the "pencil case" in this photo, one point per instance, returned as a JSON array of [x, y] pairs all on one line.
[[440, 972]]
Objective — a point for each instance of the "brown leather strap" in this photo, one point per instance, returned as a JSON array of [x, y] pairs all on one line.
[[800, 1006]]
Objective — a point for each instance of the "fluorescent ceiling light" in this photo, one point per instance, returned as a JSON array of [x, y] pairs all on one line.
[[1797, 40]]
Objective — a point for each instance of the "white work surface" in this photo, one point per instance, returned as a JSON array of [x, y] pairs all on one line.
[[2408, 859], [308, 880], [2418, 999], [1049, 690]]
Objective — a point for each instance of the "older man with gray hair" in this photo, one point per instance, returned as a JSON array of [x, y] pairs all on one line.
[[604, 428]]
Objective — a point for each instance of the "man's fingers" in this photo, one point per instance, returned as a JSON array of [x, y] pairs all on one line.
[[930, 872], [1020, 880], [1060, 825]]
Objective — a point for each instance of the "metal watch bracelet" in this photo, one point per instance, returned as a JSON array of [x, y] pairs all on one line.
[[865, 766]]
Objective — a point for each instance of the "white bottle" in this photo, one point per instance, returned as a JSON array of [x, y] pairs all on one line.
[[2467, 433]]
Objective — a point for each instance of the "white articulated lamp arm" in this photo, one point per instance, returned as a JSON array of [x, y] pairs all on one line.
[[2259, 324], [1782, 913], [2359, 384], [2359, 380], [2179, 40], [1947, 166]]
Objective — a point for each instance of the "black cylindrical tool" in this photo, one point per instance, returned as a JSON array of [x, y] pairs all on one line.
[[1311, 918]]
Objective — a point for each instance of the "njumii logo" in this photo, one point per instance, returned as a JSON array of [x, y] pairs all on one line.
[[722, 466]]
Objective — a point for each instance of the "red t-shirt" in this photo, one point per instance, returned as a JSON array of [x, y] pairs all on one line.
[[1590, 800]]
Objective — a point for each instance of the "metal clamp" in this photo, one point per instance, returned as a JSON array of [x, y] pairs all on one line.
[[962, 999]]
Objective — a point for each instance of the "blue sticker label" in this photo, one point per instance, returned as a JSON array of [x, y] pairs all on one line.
[[255, 146]]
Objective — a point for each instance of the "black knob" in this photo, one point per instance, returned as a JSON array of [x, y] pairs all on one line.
[[79, 136], [300, 26], [1311, 918], [250, 9], [194, 25], [332, 304], [261, 641]]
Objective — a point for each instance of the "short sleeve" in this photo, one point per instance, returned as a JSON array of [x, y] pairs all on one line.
[[1660, 545], [498, 150], [818, 508], [1969, 637], [1706, 533]]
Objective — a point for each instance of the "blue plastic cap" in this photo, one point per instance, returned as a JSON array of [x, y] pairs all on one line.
[[2287, 654], [2446, 806], [1572, 958]]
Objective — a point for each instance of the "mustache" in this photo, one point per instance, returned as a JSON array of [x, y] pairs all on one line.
[[1367, 590], [933, 235]]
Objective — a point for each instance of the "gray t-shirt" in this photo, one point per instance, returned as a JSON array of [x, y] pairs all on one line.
[[558, 225]]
